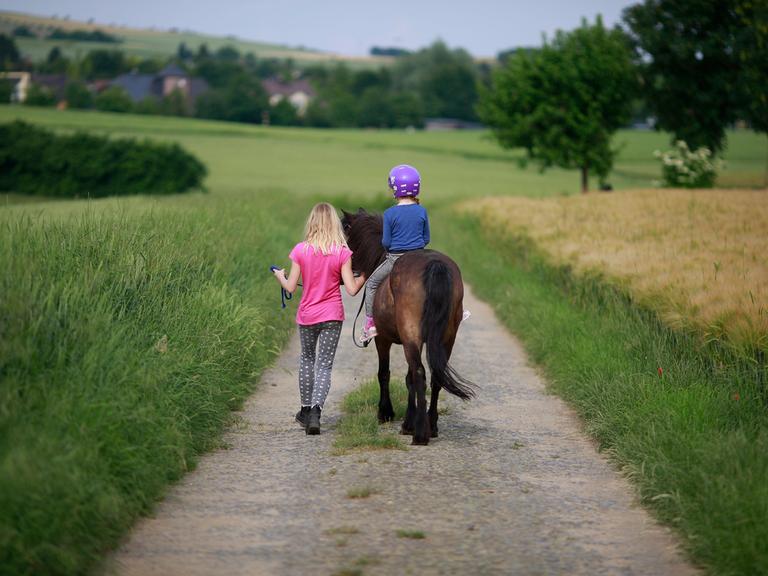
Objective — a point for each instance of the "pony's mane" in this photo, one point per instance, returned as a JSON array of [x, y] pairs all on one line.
[[364, 233]]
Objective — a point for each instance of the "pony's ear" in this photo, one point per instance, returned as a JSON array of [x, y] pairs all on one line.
[[361, 211]]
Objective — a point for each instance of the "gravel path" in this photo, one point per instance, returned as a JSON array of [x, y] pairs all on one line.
[[511, 486]]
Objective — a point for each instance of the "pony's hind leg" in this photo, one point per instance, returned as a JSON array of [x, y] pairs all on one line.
[[418, 389], [433, 408], [435, 385], [386, 412], [410, 410]]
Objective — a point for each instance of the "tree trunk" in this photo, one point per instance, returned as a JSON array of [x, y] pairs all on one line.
[[584, 179]]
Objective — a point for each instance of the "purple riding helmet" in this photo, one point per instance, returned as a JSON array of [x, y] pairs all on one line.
[[404, 181]]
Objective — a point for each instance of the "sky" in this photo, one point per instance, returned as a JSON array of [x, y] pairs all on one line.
[[349, 27]]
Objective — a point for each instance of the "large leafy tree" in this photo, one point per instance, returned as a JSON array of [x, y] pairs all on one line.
[[564, 102], [752, 51], [690, 66]]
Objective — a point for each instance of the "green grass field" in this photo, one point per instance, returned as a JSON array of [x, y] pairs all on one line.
[[91, 386]]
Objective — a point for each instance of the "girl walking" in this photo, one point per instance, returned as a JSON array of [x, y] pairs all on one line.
[[406, 228], [323, 261]]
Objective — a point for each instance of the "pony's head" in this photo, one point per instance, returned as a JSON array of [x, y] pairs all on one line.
[[363, 232]]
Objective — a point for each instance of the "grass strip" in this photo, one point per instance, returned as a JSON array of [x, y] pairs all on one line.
[[359, 429], [688, 424], [126, 339]]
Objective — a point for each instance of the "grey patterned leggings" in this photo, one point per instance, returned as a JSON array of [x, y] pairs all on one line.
[[318, 348], [377, 277]]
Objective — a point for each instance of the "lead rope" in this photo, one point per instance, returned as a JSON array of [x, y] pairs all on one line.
[[354, 324], [284, 294]]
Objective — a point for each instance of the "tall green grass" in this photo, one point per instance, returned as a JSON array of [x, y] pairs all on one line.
[[127, 336], [688, 425]]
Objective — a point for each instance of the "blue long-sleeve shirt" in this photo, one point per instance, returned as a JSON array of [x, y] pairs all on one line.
[[406, 227]]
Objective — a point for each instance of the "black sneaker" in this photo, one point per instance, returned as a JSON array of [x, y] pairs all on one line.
[[313, 421], [301, 416]]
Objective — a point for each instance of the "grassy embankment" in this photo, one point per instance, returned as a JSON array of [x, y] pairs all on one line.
[[126, 338], [684, 417], [262, 183]]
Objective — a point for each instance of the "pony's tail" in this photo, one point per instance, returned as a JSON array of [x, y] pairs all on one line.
[[438, 288]]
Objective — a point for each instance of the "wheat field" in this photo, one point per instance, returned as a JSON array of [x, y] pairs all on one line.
[[697, 257]]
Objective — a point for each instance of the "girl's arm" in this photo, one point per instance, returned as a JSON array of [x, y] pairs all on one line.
[[292, 281], [426, 229], [351, 283]]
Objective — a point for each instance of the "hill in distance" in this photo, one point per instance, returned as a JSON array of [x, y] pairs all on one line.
[[156, 43]]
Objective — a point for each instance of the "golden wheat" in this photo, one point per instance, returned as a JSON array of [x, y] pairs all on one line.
[[696, 256]]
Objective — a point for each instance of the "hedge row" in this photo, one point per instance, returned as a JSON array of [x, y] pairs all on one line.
[[37, 161]]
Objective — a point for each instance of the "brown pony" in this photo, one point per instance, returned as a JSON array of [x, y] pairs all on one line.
[[419, 303]]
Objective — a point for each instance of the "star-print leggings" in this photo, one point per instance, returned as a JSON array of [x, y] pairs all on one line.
[[318, 347]]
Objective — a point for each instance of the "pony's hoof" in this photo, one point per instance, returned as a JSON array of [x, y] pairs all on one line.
[[419, 441], [386, 416], [406, 431], [433, 433]]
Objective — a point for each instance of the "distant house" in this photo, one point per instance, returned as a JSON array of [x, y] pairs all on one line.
[[299, 93], [21, 82], [171, 78], [439, 124]]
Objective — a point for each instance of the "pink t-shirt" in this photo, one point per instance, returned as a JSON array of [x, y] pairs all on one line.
[[321, 275]]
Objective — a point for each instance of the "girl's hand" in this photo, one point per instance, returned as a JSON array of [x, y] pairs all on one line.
[[279, 271]]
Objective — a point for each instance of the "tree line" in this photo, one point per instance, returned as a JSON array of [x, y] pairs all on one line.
[[436, 81], [698, 66], [695, 67]]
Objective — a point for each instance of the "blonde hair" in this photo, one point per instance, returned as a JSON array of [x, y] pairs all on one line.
[[323, 230]]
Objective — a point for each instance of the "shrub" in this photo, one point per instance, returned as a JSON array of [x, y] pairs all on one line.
[[78, 96], [39, 96], [37, 161], [114, 99], [682, 167]]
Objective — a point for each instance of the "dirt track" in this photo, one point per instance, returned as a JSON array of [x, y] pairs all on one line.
[[511, 486]]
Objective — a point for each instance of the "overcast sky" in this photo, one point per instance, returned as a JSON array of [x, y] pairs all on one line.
[[351, 27]]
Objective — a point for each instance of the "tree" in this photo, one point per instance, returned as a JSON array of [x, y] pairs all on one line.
[[114, 99], [174, 104], [228, 54], [445, 80], [690, 69], [243, 99], [78, 96], [183, 53], [9, 53], [564, 102], [283, 114], [39, 96], [752, 52], [55, 63], [105, 63], [6, 91]]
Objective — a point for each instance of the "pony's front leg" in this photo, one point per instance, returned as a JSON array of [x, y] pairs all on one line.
[[386, 412]]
